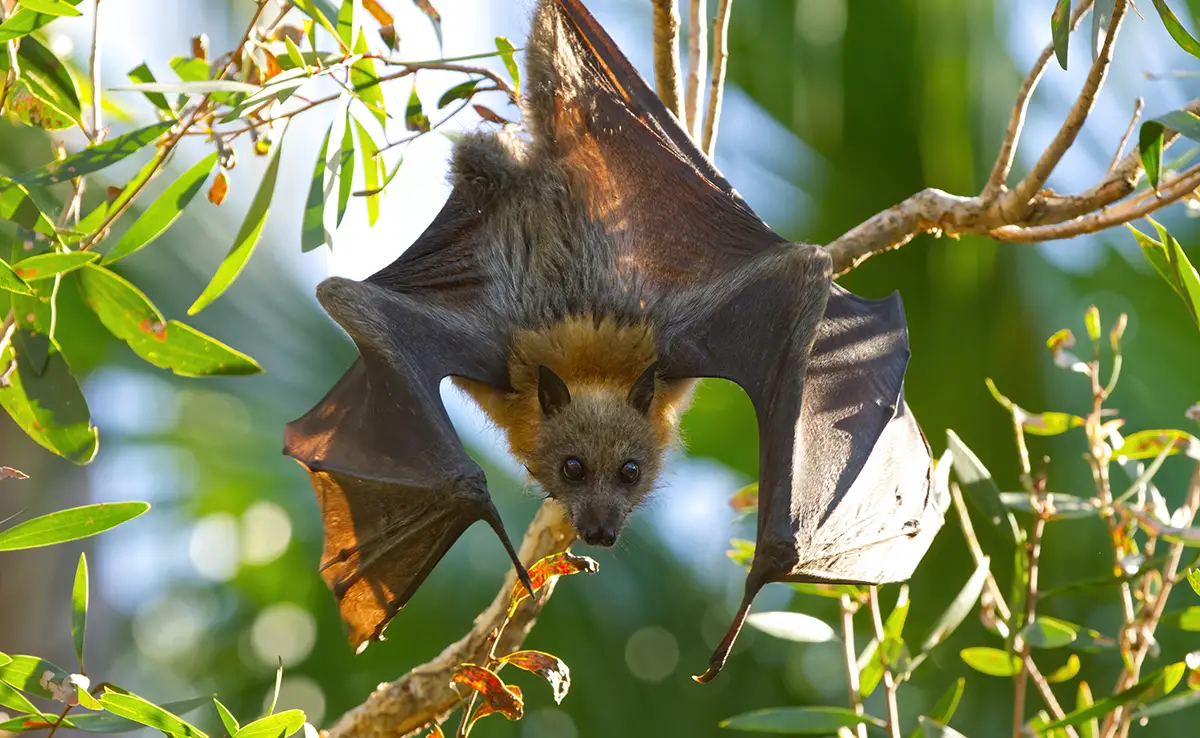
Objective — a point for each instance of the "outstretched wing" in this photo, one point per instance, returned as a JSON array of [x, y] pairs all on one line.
[[845, 473], [395, 487]]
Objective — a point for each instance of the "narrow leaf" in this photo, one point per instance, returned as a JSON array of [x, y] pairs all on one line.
[[370, 163], [69, 525], [79, 606], [26, 673], [142, 75], [497, 695], [1083, 700], [197, 87], [279, 725], [1176, 29], [47, 266], [1150, 144], [549, 569], [157, 218], [227, 718], [308, 8], [247, 237], [103, 723], [135, 708], [945, 707], [1066, 672], [44, 398], [981, 489], [278, 684], [1060, 30], [792, 626], [25, 21], [547, 666], [1185, 122], [1158, 681], [434, 17], [506, 49], [9, 280], [47, 79], [345, 169], [312, 228], [991, 661], [1102, 12], [959, 608], [18, 207], [51, 7], [345, 22], [1048, 633], [414, 116], [95, 158], [460, 91], [799, 720]]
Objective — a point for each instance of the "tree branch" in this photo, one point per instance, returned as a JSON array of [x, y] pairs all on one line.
[[423, 695], [717, 84], [666, 54], [697, 60]]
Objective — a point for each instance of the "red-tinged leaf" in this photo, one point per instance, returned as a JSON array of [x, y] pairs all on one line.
[[497, 696], [1148, 444], [745, 499], [7, 472], [490, 115], [391, 39], [434, 17], [1060, 30], [1150, 144], [436, 732], [1050, 424], [219, 188], [381, 16], [547, 666], [1185, 40], [549, 569]]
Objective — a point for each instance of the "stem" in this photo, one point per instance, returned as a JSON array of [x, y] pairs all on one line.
[[889, 679], [1038, 501], [94, 74], [14, 69], [666, 54], [697, 53], [717, 88], [1133, 121], [849, 607]]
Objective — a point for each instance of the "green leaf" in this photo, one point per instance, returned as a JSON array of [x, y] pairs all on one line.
[[1066, 672], [18, 207], [25, 21], [70, 525], [308, 8], [991, 661], [45, 400], [48, 79], [11, 281], [959, 608], [1167, 706], [135, 708], [190, 69], [51, 7], [197, 87], [1050, 423], [981, 489], [1060, 30], [1185, 275], [414, 116], [891, 653], [1061, 506], [1150, 144], [1045, 632], [157, 218], [293, 52], [506, 49], [14, 700], [280, 88], [1083, 700], [1193, 578], [345, 168], [98, 723], [247, 236], [1156, 255], [370, 162], [227, 718], [799, 720], [34, 111], [792, 626], [1146, 444], [312, 229], [1187, 619], [460, 91], [1176, 29], [280, 725], [1185, 122], [95, 158], [365, 80], [141, 75], [79, 606], [1158, 682], [345, 22], [4, 659], [278, 684], [131, 317], [46, 266], [26, 672], [945, 708]]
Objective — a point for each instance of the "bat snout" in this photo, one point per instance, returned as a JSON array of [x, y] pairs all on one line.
[[599, 535]]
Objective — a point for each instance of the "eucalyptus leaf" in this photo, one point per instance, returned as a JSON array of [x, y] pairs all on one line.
[[69, 525], [1060, 30], [48, 266], [94, 158], [79, 606], [982, 490], [44, 398], [164, 211], [792, 626], [799, 720], [135, 708], [991, 661], [18, 207], [312, 228], [279, 725]]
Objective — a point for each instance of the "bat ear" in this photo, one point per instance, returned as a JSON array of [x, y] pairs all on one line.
[[641, 394], [553, 394]]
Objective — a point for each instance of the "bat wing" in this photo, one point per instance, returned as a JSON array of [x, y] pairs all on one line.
[[395, 487], [845, 491]]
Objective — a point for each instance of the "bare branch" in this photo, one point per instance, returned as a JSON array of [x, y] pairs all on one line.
[[848, 609], [94, 75], [697, 60], [423, 694], [1017, 201], [1133, 121], [717, 84], [666, 54], [1016, 122], [889, 679]]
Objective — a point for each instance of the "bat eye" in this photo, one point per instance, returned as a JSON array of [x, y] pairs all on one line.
[[572, 470], [630, 472]]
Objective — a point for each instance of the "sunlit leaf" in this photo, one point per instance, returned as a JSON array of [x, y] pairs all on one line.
[[46, 266], [51, 7], [247, 236], [11, 281], [506, 49], [227, 718], [310, 9], [219, 188], [981, 489], [45, 399], [94, 158], [25, 21], [27, 672], [135, 708], [278, 684], [293, 52], [164, 211], [1083, 700], [1158, 682], [5, 659], [279, 725], [460, 91], [1050, 423], [345, 169], [547, 570], [14, 700], [34, 111], [141, 75], [943, 711], [434, 17], [1045, 632], [1060, 30], [371, 179], [1060, 506], [79, 606], [365, 80], [1066, 672], [547, 666], [69, 525], [991, 661], [414, 117], [1167, 706], [792, 626], [1148, 444], [489, 115], [959, 608], [1176, 29], [1187, 619], [745, 500], [131, 317], [198, 87], [495, 693], [1185, 275], [47, 79], [18, 207], [1150, 144], [892, 653], [381, 16], [799, 720], [312, 228], [345, 22], [1193, 577]]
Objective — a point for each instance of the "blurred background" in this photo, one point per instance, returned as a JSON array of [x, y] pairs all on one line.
[[835, 110]]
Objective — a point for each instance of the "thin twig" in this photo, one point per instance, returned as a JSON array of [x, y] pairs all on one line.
[[94, 75], [848, 609], [1038, 501], [716, 91], [1133, 121], [666, 54], [889, 678], [697, 61], [1016, 121], [1017, 201], [14, 68]]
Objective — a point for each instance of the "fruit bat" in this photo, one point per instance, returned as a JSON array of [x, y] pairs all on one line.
[[576, 284]]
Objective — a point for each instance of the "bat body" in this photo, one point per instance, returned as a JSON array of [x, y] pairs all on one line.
[[576, 284]]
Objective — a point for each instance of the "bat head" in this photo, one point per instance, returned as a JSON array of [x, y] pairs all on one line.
[[598, 451]]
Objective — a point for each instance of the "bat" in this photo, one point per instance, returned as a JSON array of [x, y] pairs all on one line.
[[576, 284]]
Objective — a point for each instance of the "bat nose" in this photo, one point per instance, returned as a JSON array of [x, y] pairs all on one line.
[[600, 536]]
